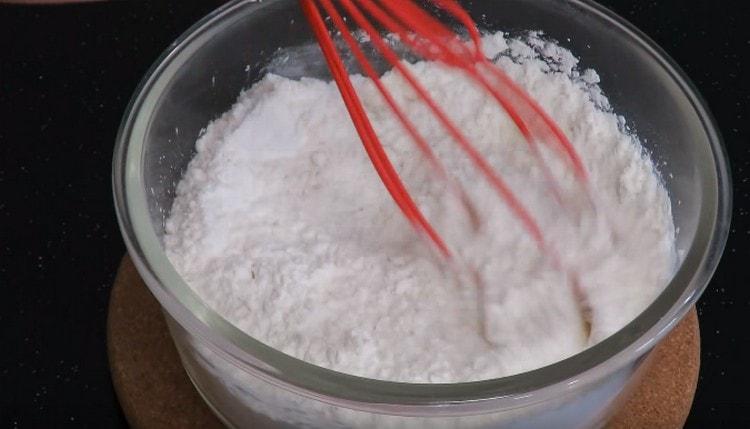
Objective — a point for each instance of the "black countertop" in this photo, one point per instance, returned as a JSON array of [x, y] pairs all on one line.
[[66, 75]]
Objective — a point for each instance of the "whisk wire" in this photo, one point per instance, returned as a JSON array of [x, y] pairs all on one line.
[[487, 171], [454, 187], [456, 53], [429, 38], [364, 128]]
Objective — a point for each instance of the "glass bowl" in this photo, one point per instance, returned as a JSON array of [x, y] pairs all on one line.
[[249, 384]]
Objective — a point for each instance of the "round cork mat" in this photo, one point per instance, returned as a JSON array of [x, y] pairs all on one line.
[[155, 391]]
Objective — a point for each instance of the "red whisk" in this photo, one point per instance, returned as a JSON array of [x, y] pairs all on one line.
[[432, 40]]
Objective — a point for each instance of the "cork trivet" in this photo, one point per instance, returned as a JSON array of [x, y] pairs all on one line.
[[155, 392]]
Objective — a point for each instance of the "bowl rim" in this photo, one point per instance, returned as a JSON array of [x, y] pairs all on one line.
[[326, 385]]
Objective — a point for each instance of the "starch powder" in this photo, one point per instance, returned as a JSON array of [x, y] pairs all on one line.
[[282, 225]]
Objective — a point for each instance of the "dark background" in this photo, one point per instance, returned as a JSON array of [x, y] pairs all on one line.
[[66, 75]]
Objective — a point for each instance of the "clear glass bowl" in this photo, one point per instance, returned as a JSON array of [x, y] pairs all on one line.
[[248, 383]]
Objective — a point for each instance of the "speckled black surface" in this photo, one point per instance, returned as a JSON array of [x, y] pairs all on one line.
[[66, 75]]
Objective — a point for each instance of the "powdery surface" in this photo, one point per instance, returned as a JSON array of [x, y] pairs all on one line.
[[282, 226]]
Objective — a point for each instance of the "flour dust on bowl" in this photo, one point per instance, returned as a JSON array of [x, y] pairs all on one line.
[[298, 296]]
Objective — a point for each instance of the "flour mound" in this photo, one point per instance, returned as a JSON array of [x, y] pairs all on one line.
[[282, 226]]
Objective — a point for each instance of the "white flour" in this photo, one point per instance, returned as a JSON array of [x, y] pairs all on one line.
[[282, 225]]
